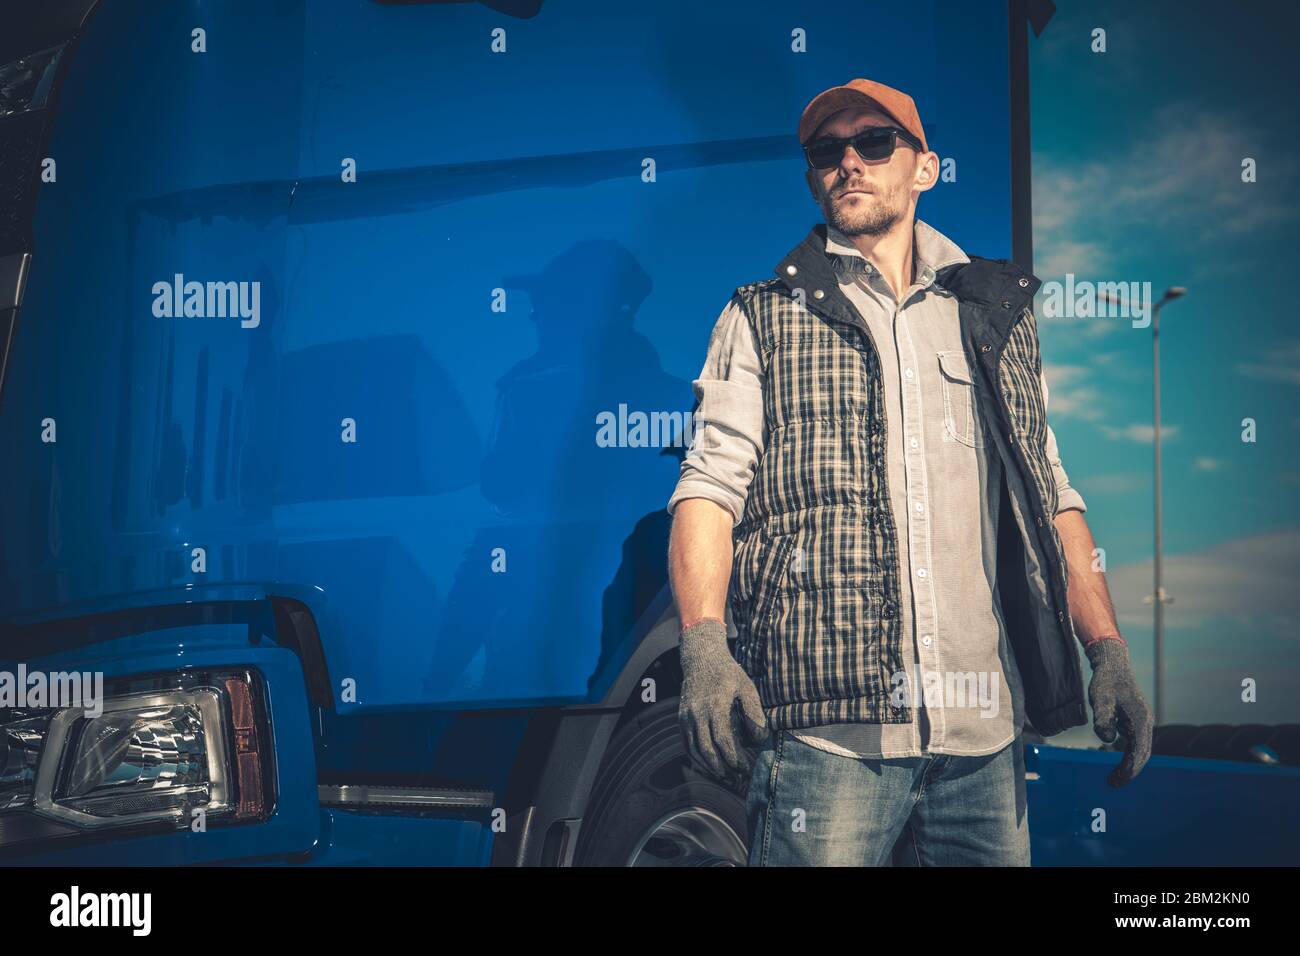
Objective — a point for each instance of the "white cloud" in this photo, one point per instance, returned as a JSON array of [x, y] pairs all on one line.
[[1193, 163], [1250, 580], [1139, 432], [1280, 364], [1114, 483], [1067, 255], [1071, 394], [1163, 187]]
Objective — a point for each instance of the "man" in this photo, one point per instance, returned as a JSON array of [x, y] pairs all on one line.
[[873, 479]]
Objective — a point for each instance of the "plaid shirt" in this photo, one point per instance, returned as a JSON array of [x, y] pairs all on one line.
[[944, 482], [816, 594]]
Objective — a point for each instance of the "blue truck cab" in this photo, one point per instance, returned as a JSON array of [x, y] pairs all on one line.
[[347, 360]]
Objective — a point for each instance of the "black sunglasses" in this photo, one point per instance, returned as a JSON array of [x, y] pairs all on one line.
[[874, 142]]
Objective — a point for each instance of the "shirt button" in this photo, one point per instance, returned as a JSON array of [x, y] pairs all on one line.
[[920, 572], [920, 507], [790, 270], [1024, 283], [1039, 519], [819, 294], [926, 640], [908, 373], [914, 443]]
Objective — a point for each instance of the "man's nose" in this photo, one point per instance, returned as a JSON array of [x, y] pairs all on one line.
[[851, 164]]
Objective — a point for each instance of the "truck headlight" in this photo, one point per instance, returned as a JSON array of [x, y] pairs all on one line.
[[147, 757], [21, 740], [160, 749]]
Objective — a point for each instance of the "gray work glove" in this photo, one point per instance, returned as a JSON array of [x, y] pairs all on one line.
[[712, 682], [1116, 698]]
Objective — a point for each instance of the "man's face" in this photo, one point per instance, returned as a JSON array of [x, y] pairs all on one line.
[[860, 197]]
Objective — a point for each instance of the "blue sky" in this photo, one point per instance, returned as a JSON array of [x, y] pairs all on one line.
[[1137, 157]]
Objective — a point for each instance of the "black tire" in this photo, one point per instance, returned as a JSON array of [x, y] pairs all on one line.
[[647, 778]]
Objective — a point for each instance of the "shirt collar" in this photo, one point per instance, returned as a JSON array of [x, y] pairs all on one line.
[[933, 250]]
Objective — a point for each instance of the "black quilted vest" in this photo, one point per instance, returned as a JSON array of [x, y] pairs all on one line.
[[814, 590]]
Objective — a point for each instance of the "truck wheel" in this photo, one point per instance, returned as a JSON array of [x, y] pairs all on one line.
[[650, 806]]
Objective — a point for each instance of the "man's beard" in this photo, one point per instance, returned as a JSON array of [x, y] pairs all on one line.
[[873, 216]]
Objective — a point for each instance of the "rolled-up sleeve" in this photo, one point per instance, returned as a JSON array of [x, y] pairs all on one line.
[[1067, 497], [727, 437]]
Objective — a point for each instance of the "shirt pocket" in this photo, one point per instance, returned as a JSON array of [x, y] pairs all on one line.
[[960, 417], [772, 581], [765, 571]]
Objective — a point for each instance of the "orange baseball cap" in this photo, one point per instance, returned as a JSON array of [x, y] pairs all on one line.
[[859, 93]]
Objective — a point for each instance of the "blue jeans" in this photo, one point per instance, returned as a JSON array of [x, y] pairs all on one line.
[[809, 807]]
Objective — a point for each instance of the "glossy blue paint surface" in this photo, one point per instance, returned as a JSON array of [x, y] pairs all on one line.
[[475, 429], [475, 547], [1177, 812], [351, 838]]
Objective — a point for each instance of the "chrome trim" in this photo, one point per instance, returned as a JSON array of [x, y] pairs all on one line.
[[13, 278], [56, 740], [696, 835], [526, 829], [363, 795], [569, 845]]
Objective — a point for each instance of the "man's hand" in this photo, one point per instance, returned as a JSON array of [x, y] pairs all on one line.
[[1116, 699], [1117, 702], [712, 683]]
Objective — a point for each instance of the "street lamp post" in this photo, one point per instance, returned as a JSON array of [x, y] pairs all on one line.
[[1158, 598]]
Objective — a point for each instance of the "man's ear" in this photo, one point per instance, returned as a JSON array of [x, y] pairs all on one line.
[[928, 175]]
